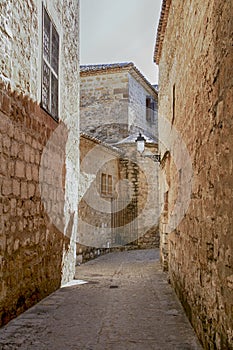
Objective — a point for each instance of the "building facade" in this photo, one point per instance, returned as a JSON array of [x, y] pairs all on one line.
[[39, 140], [195, 56], [141, 174], [99, 166], [117, 202], [116, 101]]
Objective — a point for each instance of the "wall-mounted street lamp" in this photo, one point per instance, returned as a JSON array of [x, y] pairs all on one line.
[[140, 140]]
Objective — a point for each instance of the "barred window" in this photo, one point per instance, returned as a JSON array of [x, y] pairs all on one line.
[[109, 184], [50, 67], [150, 109], [103, 183], [106, 184]]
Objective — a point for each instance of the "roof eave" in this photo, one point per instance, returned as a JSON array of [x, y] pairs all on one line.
[[130, 68], [105, 69], [161, 30], [100, 142], [143, 80]]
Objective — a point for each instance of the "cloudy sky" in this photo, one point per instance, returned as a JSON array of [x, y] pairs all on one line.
[[120, 31]]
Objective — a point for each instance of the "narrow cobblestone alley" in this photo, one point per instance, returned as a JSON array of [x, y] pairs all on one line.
[[126, 304]]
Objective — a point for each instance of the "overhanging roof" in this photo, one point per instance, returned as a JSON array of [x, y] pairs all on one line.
[[161, 29], [94, 69]]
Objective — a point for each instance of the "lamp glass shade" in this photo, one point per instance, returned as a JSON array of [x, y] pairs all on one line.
[[140, 146]]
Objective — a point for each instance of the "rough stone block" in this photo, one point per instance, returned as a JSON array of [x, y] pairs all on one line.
[[28, 172], [3, 165], [24, 190], [7, 187], [20, 169], [31, 190], [35, 173], [16, 187]]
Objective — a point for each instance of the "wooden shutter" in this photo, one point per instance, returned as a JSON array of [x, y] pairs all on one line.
[[50, 67]]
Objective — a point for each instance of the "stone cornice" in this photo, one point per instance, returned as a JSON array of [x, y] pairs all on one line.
[[88, 70], [161, 30], [99, 142], [135, 72]]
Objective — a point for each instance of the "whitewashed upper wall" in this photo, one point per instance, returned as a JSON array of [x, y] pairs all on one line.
[[137, 107]]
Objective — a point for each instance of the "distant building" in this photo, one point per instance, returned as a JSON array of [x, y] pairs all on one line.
[[116, 101], [113, 190], [39, 138], [195, 57], [99, 172]]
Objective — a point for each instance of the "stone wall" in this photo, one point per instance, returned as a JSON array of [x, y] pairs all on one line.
[[196, 97], [31, 246], [19, 50], [138, 109], [38, 202], [113, 104], [104, 105], [95, 207], [141, 174], [119, 219]]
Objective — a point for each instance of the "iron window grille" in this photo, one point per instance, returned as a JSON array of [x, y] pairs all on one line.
[[50, 67], [106, 184], [150, 109]]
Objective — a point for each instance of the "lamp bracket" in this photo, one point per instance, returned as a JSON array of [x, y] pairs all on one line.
[[154, 157]]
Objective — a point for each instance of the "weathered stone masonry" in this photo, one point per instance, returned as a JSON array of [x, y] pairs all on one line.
[[96, 158], [113, 102], [142, 175], [111, 221], [194, 51], [36, 257], [90, 212], [31, 247], [117, 102]]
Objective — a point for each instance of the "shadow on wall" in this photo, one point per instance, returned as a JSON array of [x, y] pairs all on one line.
[[31, 257]]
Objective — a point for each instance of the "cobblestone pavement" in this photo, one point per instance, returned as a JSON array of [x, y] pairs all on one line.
[[126, 305]]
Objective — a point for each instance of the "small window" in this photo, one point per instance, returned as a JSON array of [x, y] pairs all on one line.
[[106, 184], [173, 103], [50, 67], [109, 184], [150, 109], [165, 201], [103, 183]]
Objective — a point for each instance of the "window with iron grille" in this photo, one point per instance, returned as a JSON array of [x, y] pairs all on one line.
[[103, 183], [50, 67], [106, 184], [109, 184], [150, 109]]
